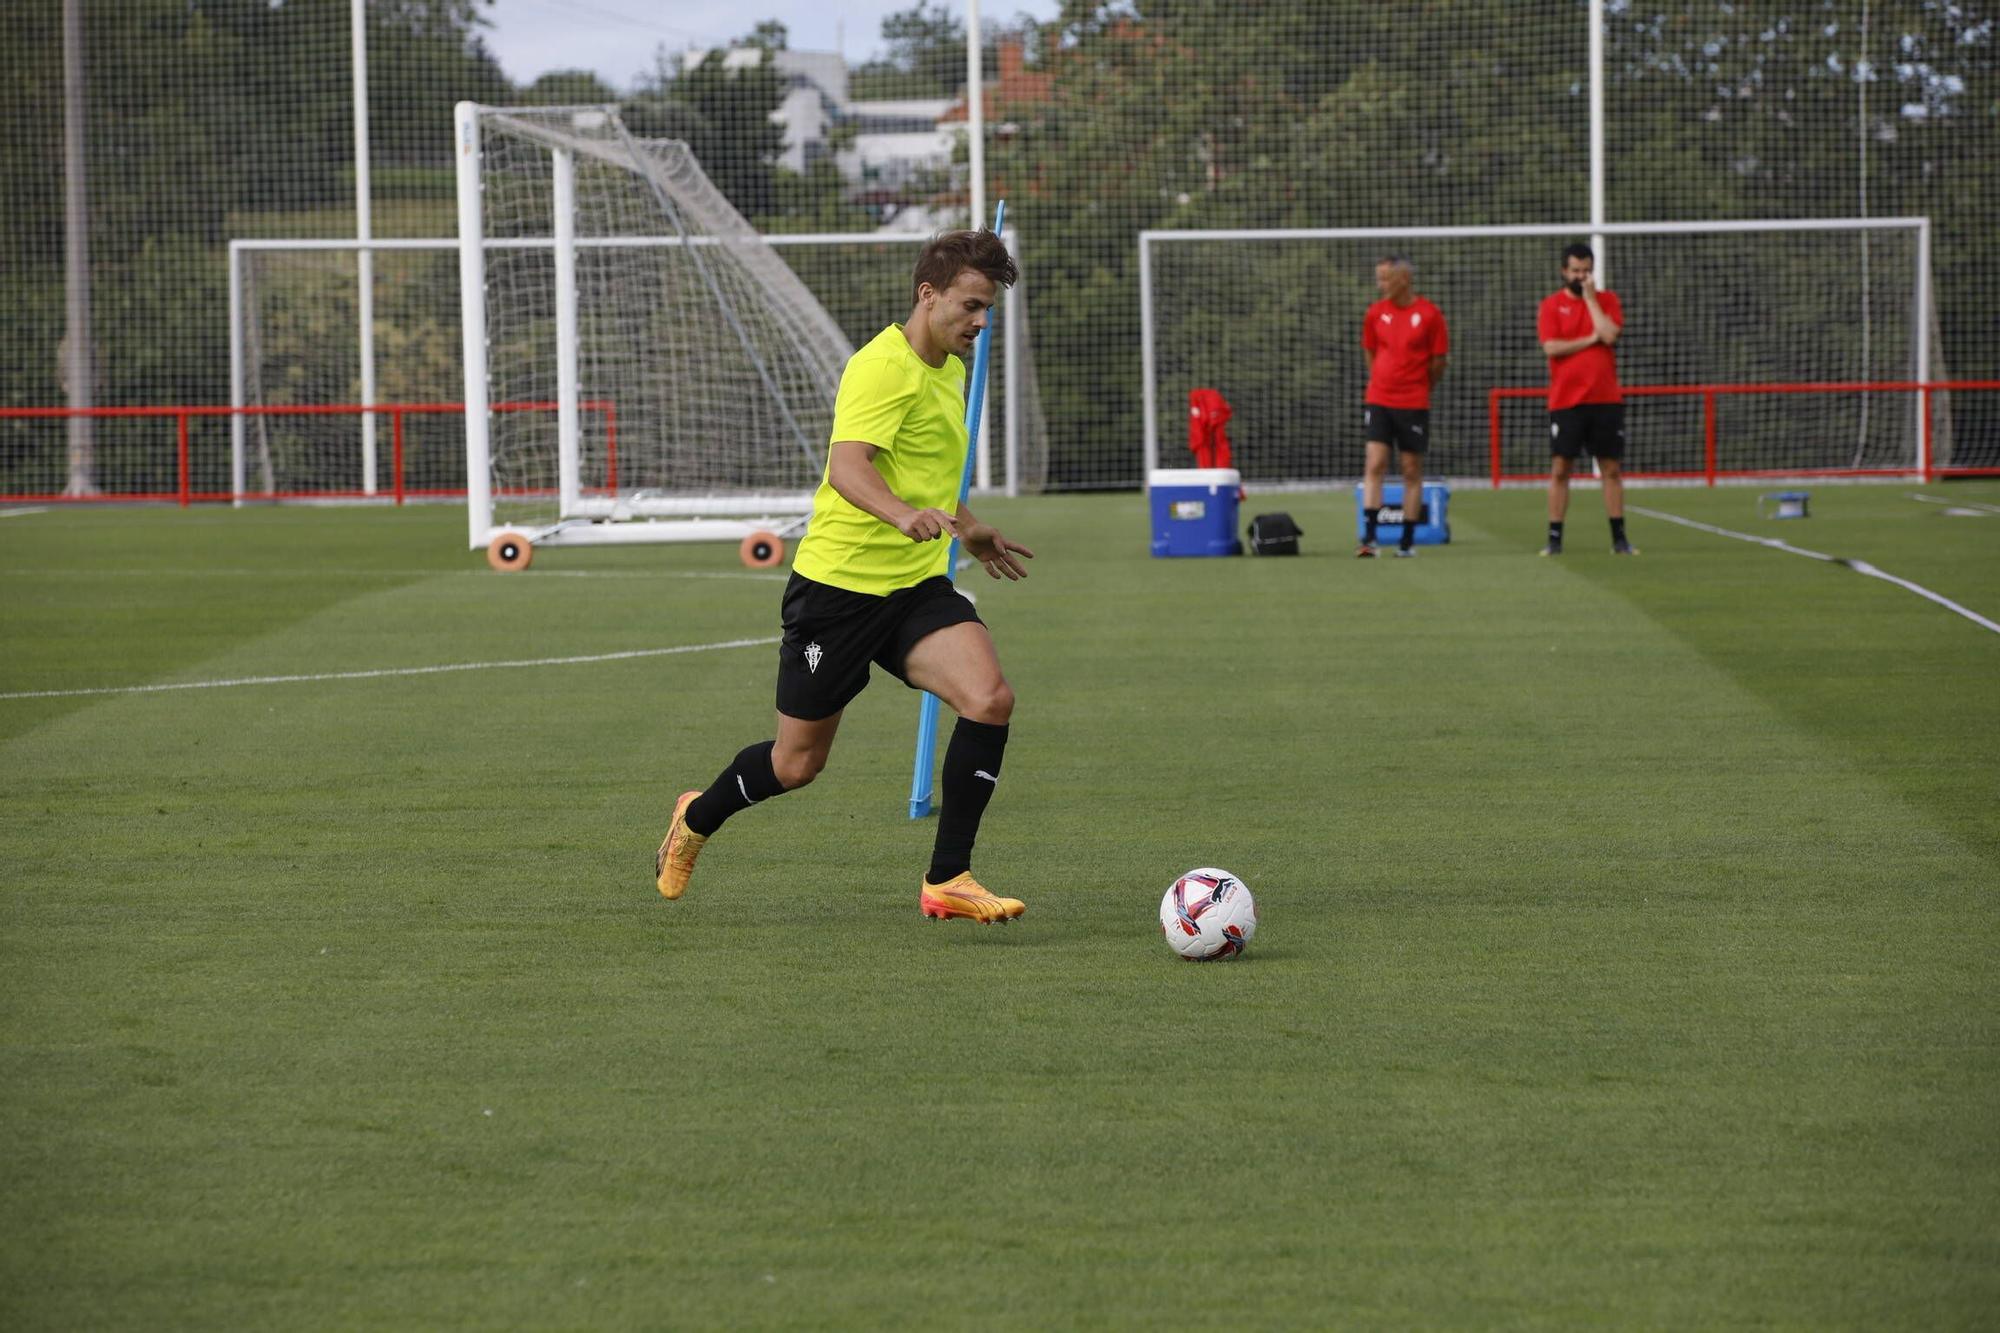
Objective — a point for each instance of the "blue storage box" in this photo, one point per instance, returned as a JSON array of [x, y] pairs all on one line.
[[1435, 530], [1194, 510]]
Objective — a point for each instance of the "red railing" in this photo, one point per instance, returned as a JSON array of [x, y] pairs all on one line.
[[185, 494], [1925, 467]]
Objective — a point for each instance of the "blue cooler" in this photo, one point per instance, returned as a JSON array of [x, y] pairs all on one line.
[[1194, 510], [1434, 531]]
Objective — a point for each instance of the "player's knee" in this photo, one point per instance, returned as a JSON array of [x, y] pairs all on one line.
[[796, 768], [993, 704]]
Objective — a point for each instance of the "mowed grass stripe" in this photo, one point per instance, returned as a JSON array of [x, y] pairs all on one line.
[[1597, 984]]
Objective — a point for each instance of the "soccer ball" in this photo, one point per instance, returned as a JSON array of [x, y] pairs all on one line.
[[1208, 915]]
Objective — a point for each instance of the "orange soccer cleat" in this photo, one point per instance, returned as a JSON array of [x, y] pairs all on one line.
[[962, 895], [674, 862]]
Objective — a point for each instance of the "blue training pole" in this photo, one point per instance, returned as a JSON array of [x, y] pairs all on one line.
[[975, 402]]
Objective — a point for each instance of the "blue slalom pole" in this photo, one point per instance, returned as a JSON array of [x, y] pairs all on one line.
[[927, 710]]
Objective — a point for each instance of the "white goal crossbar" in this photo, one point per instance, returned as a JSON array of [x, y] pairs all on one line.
[[1153, 244], [241, 321]]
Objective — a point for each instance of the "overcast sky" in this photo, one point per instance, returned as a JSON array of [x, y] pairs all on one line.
[[615, 39]]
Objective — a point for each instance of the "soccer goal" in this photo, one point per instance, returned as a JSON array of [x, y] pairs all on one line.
[[1796, 316], [640, 366], [299, 429]]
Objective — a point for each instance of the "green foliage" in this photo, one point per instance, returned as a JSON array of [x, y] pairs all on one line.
[[568, 87], [926, 56], [724, 114]]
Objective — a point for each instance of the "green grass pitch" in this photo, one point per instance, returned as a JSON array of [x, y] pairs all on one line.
[[1627, 956]]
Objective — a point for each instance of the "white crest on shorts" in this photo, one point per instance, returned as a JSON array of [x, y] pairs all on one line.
[[813, 654]]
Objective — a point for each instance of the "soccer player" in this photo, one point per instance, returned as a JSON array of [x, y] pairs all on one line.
[[869, 583], [1579, 326], [1404, 338]]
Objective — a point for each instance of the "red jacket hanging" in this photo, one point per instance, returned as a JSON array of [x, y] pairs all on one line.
[[1208, 428]]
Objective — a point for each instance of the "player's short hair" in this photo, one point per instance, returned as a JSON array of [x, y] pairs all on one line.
[[1398, 260], [951, 253], [1578, 250]]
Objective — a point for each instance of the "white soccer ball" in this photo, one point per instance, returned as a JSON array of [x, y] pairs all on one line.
[[1208, 915]]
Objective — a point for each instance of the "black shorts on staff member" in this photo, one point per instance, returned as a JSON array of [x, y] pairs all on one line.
[[1407, 428], [831, 635], [1594, 428]]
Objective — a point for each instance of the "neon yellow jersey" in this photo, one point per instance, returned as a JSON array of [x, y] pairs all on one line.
[[916, 416]]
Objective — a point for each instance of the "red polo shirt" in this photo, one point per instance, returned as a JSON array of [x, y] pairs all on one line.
[[1403, 338], [1589, 376]]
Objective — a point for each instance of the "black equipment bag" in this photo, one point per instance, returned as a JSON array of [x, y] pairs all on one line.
[[1274, 534]]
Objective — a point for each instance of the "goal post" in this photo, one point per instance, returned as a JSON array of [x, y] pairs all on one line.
[[1271, 318], [597, 265]]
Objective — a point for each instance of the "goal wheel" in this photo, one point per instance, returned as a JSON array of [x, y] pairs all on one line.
[[510, 551], [761, 550]]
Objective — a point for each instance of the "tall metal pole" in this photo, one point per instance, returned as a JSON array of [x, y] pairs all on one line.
[[364, 258], [79, 362], [975, 128], [1597, 139]]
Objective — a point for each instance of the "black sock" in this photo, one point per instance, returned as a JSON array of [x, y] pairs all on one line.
[[1411, 518], [971, 772], [1555, 532], [748, 780], [1618, 529], [1373, 516]]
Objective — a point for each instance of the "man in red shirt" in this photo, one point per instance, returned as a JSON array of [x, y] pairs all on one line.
[[1578, 326], [1406, 343]]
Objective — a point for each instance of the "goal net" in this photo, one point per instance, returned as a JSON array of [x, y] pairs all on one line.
[[1272, 320], [633, 350], [295, 363]]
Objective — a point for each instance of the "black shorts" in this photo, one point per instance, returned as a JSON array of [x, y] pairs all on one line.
[[1408, 428], [1598, 428], [831, 635]]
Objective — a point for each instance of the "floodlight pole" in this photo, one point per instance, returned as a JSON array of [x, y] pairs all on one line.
[[1599, 271], [79, 361], [364, 258], [975, 132]]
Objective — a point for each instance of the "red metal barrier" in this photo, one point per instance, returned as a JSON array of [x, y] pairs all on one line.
[[399, 490], [1926, 465]]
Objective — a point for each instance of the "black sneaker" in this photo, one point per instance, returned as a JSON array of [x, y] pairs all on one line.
[[1623, 547], [1555, 547], [1405, 552]]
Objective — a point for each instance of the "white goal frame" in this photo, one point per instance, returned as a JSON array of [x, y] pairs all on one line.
[[1389, 236], [239, 315]]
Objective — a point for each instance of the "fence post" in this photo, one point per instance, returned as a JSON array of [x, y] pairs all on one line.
[[1493, 431], [1708, 433], [1927, 446], [182, 418], [396, 436]]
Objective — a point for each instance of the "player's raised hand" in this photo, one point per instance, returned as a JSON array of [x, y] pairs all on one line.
[[926, 525], [1001, 557]]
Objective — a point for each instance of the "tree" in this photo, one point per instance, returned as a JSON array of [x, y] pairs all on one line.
[[569, 87]]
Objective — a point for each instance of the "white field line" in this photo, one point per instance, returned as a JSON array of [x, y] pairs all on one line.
[[22, 513], [1956, 504], [390, 671], [1858, 566]]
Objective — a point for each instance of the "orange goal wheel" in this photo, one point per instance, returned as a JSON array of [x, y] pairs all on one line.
[[761, 550], [510, 551]]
